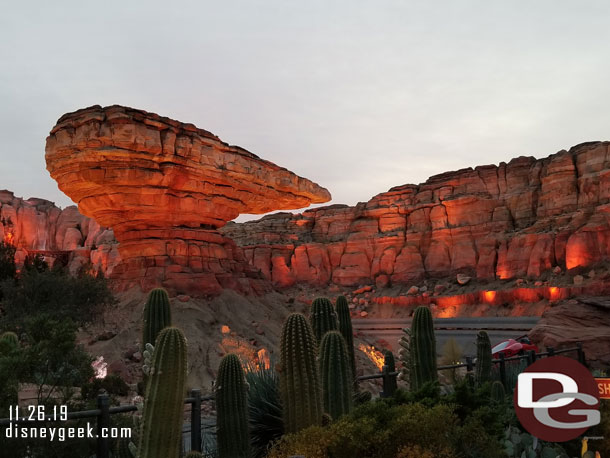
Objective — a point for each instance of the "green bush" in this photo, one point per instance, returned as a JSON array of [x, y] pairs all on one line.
[[113, 384], [54, 292], [384, 429]]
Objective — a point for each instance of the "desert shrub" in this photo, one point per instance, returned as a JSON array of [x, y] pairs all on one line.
[[52, 359], [8, 269], [113, 384], [384, 429], [265, 409], [415, 451], [56, 292]]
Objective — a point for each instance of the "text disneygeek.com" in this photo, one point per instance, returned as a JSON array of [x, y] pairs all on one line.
[[15, 431]]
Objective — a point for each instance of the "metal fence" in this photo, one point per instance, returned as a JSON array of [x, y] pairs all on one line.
[[531, 356], [104, 411]]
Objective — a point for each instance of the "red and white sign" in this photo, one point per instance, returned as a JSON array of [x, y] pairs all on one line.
[[603, 384]]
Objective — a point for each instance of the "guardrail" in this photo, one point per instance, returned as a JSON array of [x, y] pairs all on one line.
[[470, 364], [471, 323], [104, 411]]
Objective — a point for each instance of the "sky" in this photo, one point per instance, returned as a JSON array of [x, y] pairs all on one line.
[[358, 96]]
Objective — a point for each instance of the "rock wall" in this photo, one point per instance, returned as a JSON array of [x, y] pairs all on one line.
[[38, 226], [165, 187], [518, 219]]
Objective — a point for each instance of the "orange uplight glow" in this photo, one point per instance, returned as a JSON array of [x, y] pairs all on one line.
[[225, 329], [263, 358], [8, 238], [373, 354], [489, 296], [554, 292]]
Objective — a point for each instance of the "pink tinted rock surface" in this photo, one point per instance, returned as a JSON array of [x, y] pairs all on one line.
[[518, 219], [165, 187], [37, 226]]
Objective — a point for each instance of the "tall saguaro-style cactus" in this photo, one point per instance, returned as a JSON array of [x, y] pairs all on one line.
[[157, 316], [299, 379], [483, 364], [322, 318], [232, 409], [337, 379], [163, 404], [423, 349], [344, 319]]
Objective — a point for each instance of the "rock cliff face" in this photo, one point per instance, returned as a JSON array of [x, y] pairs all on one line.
[[518, 219], [37, 226], [165, 188]]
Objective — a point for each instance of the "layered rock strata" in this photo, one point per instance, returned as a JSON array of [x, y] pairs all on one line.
[[517, 219], [37, 226], [165, 188]]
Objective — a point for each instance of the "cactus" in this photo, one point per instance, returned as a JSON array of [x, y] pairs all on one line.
[[157, 316], [345, 327], [337, 379], [232, 408], [497, 392], [9, 339], [161, 431], [404, 354], [483, 364], [322, 318], [122, 449], [299, 380], [423, 349], [390, 362]]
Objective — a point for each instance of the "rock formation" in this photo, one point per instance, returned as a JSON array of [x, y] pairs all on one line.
[[518, 219], [584, 320], [165, 188], [37, 226]]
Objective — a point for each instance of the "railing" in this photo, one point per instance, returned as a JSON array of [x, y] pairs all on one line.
[[530, 356], [104, 411]]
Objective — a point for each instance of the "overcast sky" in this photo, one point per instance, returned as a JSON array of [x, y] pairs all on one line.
[[358, 96]]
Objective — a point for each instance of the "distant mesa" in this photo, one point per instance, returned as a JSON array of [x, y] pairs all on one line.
[[165, 187]]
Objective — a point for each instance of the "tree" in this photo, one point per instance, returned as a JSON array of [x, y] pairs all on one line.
[[8, 269]]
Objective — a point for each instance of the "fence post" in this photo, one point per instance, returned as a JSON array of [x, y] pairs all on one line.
[[550, 351], [387, 390], [581, 354], [469, 364], [531, 357], [103, 422], [503, 370], [196, 420]]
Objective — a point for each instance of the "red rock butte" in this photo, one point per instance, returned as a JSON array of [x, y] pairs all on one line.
[[165, 188]]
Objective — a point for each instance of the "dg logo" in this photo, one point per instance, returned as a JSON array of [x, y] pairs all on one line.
[[556, 399]]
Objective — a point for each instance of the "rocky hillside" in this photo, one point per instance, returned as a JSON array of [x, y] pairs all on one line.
[[38, 226], [515, 220]]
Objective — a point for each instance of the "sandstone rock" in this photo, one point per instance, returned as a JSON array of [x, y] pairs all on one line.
[[515, 220], [184, 298], [519, 281], [578, 279], [413, 290], [463, 279], [364, 314], [438, 289], [382, 281], [364, 289], [569, 323], [165, 188], [538, 283]]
